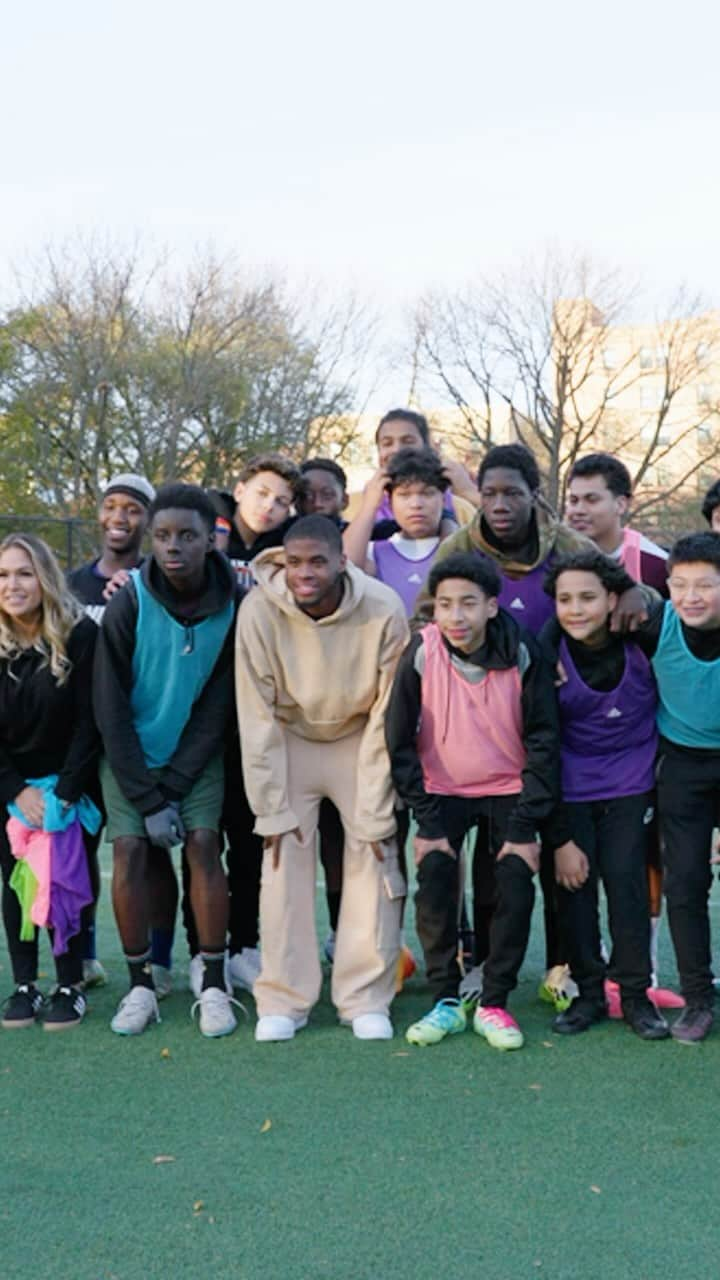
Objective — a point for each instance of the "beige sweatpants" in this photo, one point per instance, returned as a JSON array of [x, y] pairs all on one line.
[[368, 932]]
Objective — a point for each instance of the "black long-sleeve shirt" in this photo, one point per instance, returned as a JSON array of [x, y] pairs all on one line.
[[46, 727], [507, 645], [213, 714]]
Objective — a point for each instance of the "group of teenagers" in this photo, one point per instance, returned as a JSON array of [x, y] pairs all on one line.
[[262, 675]]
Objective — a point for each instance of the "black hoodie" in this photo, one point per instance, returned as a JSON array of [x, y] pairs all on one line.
[[213, 713], [507, 645], [238, 552]]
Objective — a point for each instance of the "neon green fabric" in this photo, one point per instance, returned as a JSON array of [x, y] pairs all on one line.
[[25, 884]]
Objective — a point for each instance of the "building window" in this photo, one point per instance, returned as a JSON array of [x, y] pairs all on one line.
[[647, 358], [702, 353], [647, 433], [705, 393], [610, 358], [662, 352], [651, 395], [705, 433]]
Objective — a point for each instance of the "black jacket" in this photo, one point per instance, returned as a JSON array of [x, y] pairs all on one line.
[[238, 551], [507, 645], [213, 713], [45, 727]]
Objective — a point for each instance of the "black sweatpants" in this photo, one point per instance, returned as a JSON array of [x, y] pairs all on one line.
[[24, 955], [688, 796], [503, 892], [243, 857], [484, 905], [615, 836]]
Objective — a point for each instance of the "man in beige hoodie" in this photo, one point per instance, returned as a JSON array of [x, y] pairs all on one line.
[[317, 646]]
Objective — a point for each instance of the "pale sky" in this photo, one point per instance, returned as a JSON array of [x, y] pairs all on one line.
[[390, 145]]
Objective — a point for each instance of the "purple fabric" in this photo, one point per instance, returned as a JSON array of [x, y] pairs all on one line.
[[525, 599], [384, 511], [403, 575], [608, 740], [70, 888]]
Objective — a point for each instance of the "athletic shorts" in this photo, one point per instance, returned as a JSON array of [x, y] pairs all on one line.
[[199, 809]]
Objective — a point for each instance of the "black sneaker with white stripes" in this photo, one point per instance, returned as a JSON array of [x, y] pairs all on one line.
[[22, 1007], [65, 1009]]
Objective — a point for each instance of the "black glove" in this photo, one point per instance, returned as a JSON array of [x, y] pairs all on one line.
[[165, 828]]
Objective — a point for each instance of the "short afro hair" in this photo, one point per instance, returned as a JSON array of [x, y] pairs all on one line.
[[326, 464], [515, 457], [475, 567], [319, 528], [184, 497]]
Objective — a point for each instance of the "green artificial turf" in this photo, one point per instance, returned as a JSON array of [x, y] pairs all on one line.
[[593, 1158]]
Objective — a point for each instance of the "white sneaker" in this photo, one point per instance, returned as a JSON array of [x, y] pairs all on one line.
[[93, 974], [196, 973], [278, 1026], [244, 968], [135, 1012], [471, 986], [216, 1015], [372, 1026], [329, 947], [162, 978]]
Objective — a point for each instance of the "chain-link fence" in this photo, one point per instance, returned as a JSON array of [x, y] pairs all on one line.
[[73, 540]]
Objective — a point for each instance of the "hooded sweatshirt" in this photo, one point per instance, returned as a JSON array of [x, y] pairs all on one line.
[[522, 592], [318, 680], [121, 664], [530, 723]]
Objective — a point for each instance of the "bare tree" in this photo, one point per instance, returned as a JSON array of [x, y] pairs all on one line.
[[452, 349], [545, 353]]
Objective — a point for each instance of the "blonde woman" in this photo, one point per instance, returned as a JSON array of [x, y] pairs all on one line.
[[47, 736]]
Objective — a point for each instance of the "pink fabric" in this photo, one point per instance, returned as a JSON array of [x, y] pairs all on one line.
[[630, 553], [35, 847], [470, 740], [58, 861]]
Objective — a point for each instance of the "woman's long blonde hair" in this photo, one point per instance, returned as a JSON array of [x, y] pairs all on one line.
[[60, 611]]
